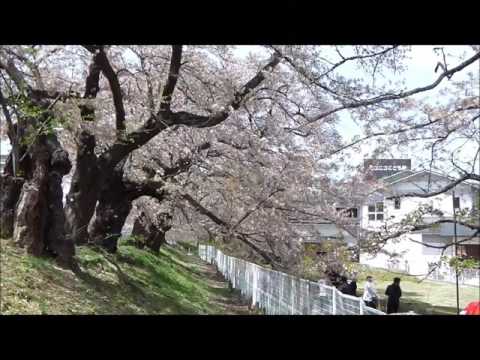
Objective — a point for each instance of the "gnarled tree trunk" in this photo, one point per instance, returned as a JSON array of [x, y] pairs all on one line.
[[111, 212], [39, 218], [10, 192], [82, 197], [10, 189], [152, 230], [57, 241], [32, 207]]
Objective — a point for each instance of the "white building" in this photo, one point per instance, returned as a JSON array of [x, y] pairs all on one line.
[[408, 252]]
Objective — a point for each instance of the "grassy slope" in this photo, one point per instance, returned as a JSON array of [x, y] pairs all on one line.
[[426, 297], [171, 283]]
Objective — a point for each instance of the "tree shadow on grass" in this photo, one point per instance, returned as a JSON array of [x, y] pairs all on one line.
[[109, 297], [411, 294], [420, 307], [131, 291], [425, 308]]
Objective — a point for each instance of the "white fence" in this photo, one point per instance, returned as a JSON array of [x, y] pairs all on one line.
[[465, 277], [278, 293]]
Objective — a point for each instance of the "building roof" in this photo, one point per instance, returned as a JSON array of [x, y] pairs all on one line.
[[398, 176], [408, 174]]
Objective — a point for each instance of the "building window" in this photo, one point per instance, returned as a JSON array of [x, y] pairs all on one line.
[[397, 203], [353, 212], [456, 202], [375, 212], [469, 251]]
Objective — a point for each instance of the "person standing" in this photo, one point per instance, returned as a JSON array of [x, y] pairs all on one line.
[[352, 287], [349, 287], [343, 287], [394, 293], [370, 296]]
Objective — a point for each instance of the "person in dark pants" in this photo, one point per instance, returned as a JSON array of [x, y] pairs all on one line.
[[352, 287], [394, 293], [348, 287], [343, 285]]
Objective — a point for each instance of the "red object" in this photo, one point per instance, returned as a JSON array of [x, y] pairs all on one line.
[[473, 308]]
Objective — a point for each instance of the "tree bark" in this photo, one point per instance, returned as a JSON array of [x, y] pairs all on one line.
[[112, 210], [32, 209], [10, 192], [153, 231], [57, 241], [82, 197], [39, 223]]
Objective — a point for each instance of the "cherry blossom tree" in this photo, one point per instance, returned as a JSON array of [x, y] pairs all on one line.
[[240, 147]]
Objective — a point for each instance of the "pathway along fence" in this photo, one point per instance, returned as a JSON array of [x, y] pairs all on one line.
[[278, 293]]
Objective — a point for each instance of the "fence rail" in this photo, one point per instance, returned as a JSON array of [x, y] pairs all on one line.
[[447, 274], [278, 293]]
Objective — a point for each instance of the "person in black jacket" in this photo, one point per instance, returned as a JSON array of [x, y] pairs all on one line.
[[394, 293], [352, 287], [348, 287], [343, 287]]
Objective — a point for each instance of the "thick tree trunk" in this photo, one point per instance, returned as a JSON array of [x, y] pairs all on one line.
[[39, 218], [111, 212], [164, 221], [10, 188], [153, 232], [82, 197], [32, 208], [57, 241], [139, 230]]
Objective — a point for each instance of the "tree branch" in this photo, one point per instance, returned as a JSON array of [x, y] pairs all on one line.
[[148, 188], [395, 132], [175, 63], [202, 210], [164, 119], [15, 75], [401, 95], [102, 61], [426, 226], [249, 212], [91, 88], [442, 190]]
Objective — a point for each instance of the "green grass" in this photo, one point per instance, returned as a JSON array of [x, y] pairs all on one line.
[[426, 297], [133, 281]]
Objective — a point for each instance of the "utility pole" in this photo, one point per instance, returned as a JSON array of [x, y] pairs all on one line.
[[455, 206]]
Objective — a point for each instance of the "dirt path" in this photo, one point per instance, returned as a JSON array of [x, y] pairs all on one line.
[[230, 300], [233, 300]]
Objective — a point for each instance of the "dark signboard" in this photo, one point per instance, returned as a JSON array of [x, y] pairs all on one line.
[[379, 168]]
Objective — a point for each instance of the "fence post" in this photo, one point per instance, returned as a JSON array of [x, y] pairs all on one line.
[[334, 301], [361, 305], [291, 295]]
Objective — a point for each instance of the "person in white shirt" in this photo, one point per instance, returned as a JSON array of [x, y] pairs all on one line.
[[370, 296]]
